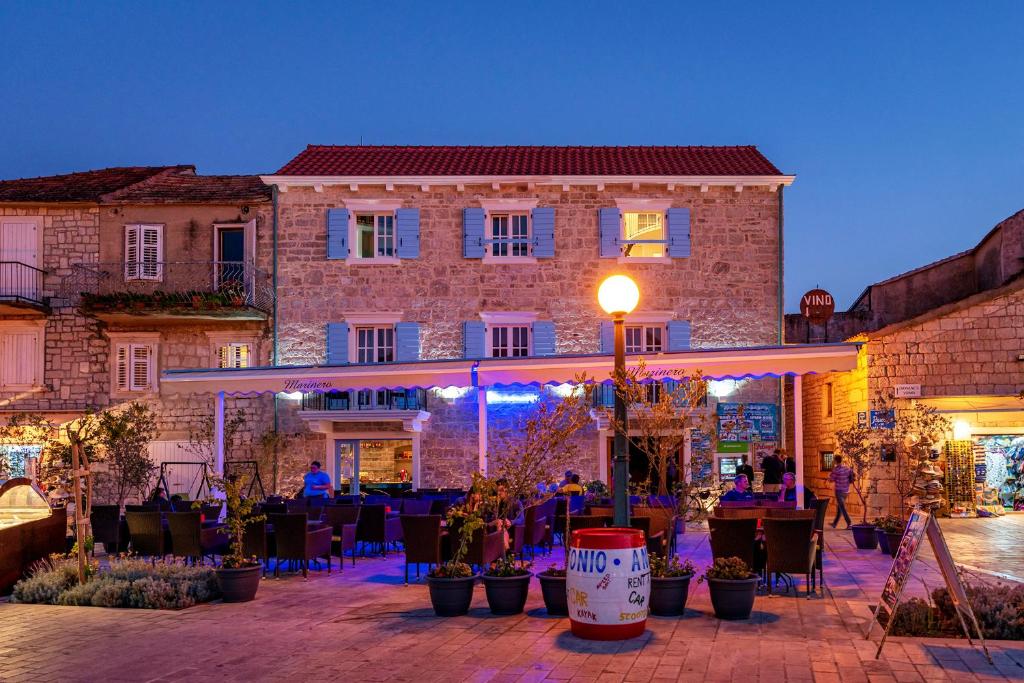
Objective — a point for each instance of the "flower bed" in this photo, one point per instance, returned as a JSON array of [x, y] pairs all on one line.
[[999, 609], [126, 583]]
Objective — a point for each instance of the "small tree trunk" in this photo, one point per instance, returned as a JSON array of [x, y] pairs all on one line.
[[79, 510]]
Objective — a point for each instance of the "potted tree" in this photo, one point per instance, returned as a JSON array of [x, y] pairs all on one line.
[[238, 575], [857, 444], [451, 583], [670, 585], [507, 584], [732, 586]]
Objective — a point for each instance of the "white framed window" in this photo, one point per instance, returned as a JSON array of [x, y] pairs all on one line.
[[644, 234], [508, 341], [645, 338], [22, 355], [134, 364], [375, 343], [234, 355], [143, 252], [509, 235], [374, 236]]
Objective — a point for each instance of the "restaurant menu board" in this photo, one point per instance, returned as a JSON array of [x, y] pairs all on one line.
[[922, 524], [747, 422]]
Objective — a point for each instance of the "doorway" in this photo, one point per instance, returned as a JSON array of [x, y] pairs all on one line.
[[230, 256], [640, 467]]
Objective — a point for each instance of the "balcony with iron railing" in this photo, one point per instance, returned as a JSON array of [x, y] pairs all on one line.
[[21, 288], [170, 289], [366, 400]]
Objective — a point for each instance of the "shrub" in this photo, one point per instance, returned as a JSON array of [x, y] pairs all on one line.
[[508, 566], [662, 569], [999, 609], [890, 524], [728, 568], [47, 580]]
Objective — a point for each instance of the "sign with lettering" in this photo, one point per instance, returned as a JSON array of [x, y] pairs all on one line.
[[907, 391], [607, 587], [862, 419], [883, 419], [311, 384], [747, 421], [817, 306]]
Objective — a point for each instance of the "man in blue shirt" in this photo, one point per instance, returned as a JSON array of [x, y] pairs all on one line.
[[742, 490], [317, 482]]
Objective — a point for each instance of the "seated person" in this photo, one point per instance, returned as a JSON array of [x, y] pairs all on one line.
[[742, 490], [573, 488], [788, 490]]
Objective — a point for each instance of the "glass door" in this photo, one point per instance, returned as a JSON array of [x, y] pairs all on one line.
[[231, 258], [346, 463]]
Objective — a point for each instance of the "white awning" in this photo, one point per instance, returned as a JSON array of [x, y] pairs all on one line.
[[738, 363]]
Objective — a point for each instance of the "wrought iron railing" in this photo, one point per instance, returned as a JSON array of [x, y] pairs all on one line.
[[21, 282], [367, 399], [169, 284]]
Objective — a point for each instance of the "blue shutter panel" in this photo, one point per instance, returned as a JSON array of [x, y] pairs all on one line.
[[678, 233], [337, 343], [544, 338], [473, 233], [607, 337], [407, 228], [407, 341], [678, 335], [337, 233], [544, 232], [609, 220], [473, 345]]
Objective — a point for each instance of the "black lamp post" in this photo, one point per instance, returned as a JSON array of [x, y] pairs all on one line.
[[618, 296]]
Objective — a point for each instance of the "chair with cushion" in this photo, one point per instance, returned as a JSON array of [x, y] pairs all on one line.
[[791, 545], [732, 538], [486, 547], [376, 528], [296, 543], [531, 533], [106, 528], [416, 506], [343, 520], [147, 534], [191, 541], [254, 542], [423, 537], [663, 527]]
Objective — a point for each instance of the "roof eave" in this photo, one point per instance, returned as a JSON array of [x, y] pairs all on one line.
[[771, 181]]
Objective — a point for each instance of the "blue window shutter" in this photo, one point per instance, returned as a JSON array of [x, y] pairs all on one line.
[[544, 338], [407, 341], [678, 233], [473, 341], [607, 337], [610, 221], [544, 232], [407, 228], [678, 335], [604, 395], [337, 233], [473, 233], [337, 343]]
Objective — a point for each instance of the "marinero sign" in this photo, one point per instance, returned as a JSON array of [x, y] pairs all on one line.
[[817, 306], [308, 385]]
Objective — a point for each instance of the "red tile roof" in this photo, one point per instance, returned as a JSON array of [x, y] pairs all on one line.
[[362, 161], [137, 185]]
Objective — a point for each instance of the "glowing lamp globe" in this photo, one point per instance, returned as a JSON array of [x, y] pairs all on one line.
[[618, 294]]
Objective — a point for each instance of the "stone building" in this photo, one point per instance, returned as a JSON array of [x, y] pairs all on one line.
[[406, 253], [108, 277], [949, 335]]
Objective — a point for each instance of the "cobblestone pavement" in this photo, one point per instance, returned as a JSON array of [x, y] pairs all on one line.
[[364, 625]]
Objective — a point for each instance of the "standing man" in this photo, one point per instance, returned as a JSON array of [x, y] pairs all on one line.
[[841, 476], [773, 468], [317, 482]]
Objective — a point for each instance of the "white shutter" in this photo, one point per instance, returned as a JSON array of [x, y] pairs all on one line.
[[233, 356], [121, 367], [19, 243], [131, 251], [151, 248], [141, 366], [21, 358]]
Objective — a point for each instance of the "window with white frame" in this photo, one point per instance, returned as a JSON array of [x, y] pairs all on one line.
[[134, 366], [508, 341], [510, 234], [143, 252], [645, 338], [375, 343], [375, 235], [644, 234], [21, 356], [234, 355]]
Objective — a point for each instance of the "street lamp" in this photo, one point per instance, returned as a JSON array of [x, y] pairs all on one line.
[[618, 296]]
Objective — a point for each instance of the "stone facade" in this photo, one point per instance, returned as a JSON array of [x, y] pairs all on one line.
[[728, 288]]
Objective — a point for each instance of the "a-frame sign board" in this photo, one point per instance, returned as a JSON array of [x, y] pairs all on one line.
[[922, 524]]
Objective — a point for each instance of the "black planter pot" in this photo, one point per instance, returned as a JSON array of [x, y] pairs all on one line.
[[893, 540], [451, 597], [864, 536], [883, 540], [555, 598], [668, 595], [239, 585], [507, 594], [733, 598]]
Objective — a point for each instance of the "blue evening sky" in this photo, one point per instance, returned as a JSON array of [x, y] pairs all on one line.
[[903, 121]]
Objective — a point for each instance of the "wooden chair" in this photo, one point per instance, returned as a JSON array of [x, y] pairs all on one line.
[[732, 538], [192, 542], [738, 512], [296, 543], [147, 534], [254, 543], [343, 520], [106, 528], [789, 513], [423, 536], [791, 546], [377, 529], [821, 511]]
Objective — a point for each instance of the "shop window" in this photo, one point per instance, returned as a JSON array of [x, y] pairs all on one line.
[[827, 461]]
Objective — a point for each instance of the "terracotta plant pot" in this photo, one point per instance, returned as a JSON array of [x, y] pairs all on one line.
[[451, 597], [883, 539], [733, 598], [507, 594], [668, 595], [239, 585], [555, 595], [864, 536]]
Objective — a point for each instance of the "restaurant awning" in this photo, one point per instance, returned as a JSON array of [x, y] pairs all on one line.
[[726, 363]]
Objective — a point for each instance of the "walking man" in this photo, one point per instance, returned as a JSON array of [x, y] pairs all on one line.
[[841, 476]]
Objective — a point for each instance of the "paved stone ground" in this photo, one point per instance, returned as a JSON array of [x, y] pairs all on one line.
[[364, 625]]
